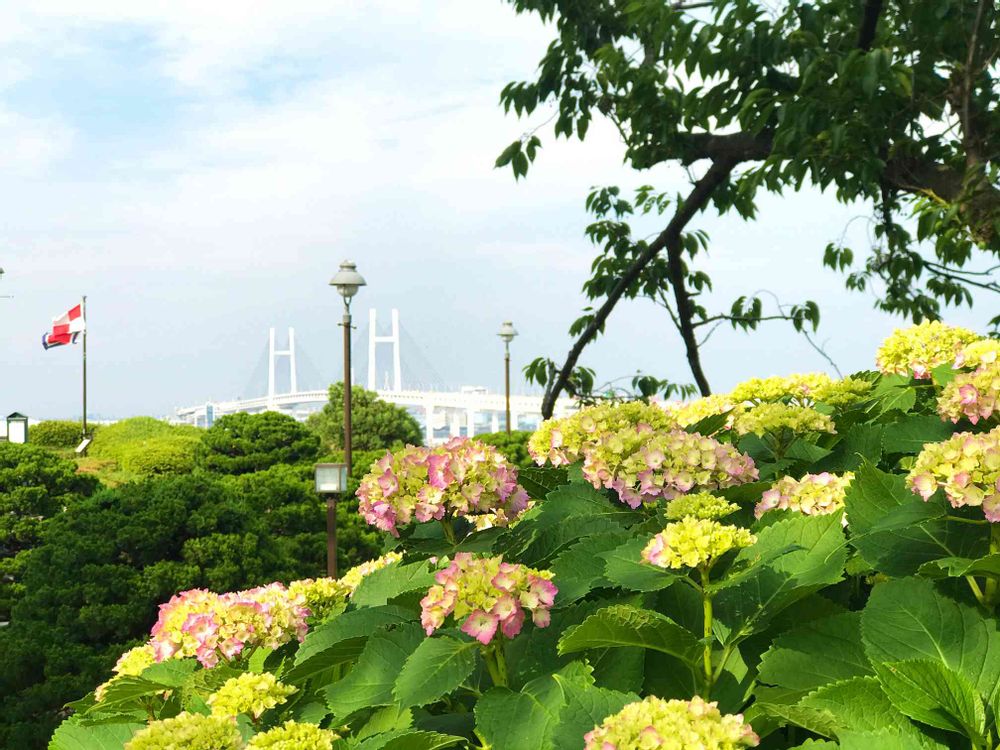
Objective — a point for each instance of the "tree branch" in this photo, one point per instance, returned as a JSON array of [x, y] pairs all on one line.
[[697, 199], [869, 23]]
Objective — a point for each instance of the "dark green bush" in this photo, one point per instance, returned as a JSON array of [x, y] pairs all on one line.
[[167, 455], [514, 447], [375, 424], [244, 443]]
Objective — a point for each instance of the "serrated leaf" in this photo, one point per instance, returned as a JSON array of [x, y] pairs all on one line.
[[623, 625], [580, 568], [71, 736], [341, 639], [584, 707], [957, 567], [371, 681], [539, 481], [410, 740], [933, 694], [624, 567], [910, 434], [879, 503], [531, 730], [817, 561], [818, 653], [909, 619], [383, 585], [435, 668]]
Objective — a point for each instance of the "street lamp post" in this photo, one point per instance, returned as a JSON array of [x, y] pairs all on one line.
[[347, 281], [331, 481], [507, 334]]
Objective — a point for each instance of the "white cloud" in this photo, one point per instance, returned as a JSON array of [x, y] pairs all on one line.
[[31, 144]]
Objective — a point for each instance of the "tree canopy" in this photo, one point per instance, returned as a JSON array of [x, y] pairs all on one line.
[[375, 423], [35, 485], [244, 443], [884, 103]]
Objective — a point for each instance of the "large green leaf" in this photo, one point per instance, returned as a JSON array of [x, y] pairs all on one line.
[[342, 639], [385, 584], [912, 432], [436, 667], [931, 693], [371, 681], [539, 481], [580, 568], [897, 532], [508, 720], [624, 567], [861, 442], [568, 514], [957, 567], [71, 736], [409, 740], [779, 580], [816, 654], [624, 625], [909, 619], [584, 707]]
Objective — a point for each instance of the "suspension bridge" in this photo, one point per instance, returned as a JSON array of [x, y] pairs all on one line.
[[443, 413]]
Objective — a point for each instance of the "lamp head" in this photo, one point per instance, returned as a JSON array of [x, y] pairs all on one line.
[[507, 332], [347, 280]]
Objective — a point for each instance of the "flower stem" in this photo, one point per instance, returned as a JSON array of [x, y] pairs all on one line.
[[992, 585], [496, 663], [706, 599], [449, 530]]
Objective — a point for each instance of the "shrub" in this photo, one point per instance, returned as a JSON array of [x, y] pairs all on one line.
[[172, 455], [244, 443], [375, 424], [112, 441], [688, 584], [514, 447], [94, 584], [57, 433], [35, 485]]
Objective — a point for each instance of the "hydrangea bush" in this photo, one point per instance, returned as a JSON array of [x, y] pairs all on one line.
[[803, 562]]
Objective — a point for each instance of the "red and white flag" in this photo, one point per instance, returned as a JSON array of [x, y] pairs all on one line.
[[65, 328]]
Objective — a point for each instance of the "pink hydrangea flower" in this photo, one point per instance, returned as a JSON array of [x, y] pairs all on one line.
[[462, 478], [487, 595]]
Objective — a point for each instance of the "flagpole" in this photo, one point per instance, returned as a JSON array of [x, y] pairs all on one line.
[[83, 314]]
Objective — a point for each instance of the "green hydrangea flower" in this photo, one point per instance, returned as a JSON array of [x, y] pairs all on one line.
[[188, 732], [919, 349], [703, 505], [672, 725], [694, 542], [769, 418], [293, 735], [249, 693]]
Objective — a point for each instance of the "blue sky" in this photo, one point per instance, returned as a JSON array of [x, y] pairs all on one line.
[[199, 170]]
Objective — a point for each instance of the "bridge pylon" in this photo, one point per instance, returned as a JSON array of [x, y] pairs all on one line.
[[392, 338], [272, 361]]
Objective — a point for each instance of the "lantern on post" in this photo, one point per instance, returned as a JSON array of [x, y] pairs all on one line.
[[331, 481]]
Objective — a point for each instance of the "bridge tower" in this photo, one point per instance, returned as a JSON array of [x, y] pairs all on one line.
[[393, 338], [272, 360]]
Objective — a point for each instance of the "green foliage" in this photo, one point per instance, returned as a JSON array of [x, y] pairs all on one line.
[[57, 433], [514, 447], [111, 441], [35, 485], [881, 633], [141, 447], [104, 565], [245, 443], [375, 424], [158, 456]]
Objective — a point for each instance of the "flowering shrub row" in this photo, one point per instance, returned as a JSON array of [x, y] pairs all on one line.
[[801, 563]]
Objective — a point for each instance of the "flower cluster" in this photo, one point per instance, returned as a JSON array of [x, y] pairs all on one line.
[[919, 349], [966, 467], [978, 353], [353, 577], [249, 693], [188, 731], [692, 412], [327, 596], [974, 395], [814, 494], [130, 664], [693, 542], [802, 388], [488, 594], [293, 735], [642, 466], [774, 418], [703, 505], [208, 626], [676, 724], [461, 478], [566, 441]]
